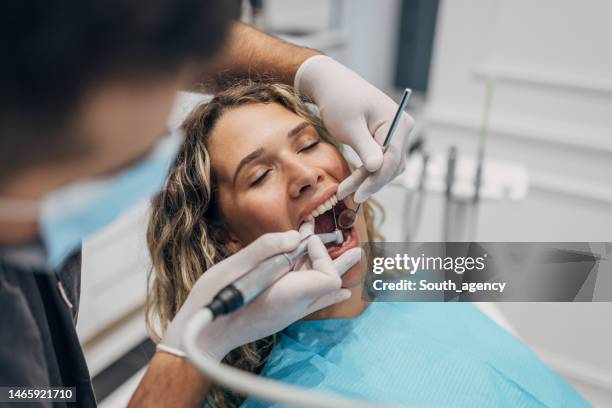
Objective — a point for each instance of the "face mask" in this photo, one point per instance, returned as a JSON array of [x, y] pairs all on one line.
[[72, 213]]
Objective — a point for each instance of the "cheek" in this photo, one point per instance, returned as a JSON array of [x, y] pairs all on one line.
[[256, 212], [330, 160]]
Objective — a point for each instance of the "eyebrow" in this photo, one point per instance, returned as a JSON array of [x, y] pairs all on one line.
[[254, 155], [246, 160], [296, 130]]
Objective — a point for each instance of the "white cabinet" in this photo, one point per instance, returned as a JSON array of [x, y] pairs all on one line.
[[115, 265]]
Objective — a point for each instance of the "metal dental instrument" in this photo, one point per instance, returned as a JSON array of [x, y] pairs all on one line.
[[247, 287], [335, 220], [347, 217]]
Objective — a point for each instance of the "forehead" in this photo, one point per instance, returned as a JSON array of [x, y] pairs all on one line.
[[241, 130]]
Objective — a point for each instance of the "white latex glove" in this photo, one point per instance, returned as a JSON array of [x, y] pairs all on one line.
[[292, 297], [359, 115]]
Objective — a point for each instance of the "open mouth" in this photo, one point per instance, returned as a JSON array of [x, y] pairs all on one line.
[[327, 222]]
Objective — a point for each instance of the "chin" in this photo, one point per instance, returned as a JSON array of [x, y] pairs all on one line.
[[353, 277], [356, 275]]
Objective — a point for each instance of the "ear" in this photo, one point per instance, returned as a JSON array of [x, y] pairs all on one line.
[[232, 244], [228, 240]]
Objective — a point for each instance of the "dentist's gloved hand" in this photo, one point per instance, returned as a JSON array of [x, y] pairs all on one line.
[[359, 115], [292, 297]]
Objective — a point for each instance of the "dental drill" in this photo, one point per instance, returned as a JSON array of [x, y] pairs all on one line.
[[237, 294], [244, 289]]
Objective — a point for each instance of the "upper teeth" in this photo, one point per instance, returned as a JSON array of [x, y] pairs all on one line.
[[322, 208]]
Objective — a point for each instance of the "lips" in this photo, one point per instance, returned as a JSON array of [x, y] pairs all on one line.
[[351, 240], [318, 204]]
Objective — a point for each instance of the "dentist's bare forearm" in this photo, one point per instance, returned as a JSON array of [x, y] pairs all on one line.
[[170, 381], [251, 53]]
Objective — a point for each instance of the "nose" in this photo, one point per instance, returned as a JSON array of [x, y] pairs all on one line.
[[302, 177]]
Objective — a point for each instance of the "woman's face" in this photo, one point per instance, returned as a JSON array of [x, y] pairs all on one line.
[[272, 170]]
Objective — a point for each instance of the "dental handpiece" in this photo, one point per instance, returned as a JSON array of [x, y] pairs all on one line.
[[246, 288]]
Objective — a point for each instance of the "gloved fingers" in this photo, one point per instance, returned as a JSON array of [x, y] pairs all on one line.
[[319, 257], [357, 135], [327, 300], [266, 246], [307, 229], [402, 134], [342, 264], [350, 184], [364, 183], [246, 259], [316, 286], [382, 177], [393, 162], [347, 260], [305, 285]]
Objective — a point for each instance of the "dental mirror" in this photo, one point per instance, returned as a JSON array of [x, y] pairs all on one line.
[[347, 217]]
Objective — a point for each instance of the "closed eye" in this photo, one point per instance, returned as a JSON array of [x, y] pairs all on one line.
[[309, 147], [259, 179]]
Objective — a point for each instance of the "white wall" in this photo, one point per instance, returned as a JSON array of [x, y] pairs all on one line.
[[552, 111], [553, 96]]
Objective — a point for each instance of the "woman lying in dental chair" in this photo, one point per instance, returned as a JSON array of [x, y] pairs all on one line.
[[257, 160]]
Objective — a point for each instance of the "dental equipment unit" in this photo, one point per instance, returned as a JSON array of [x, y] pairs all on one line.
[[347, 217]]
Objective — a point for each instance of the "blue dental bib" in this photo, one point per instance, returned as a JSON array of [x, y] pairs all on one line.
[[419, 355]]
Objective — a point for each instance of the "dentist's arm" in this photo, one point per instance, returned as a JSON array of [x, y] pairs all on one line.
[[171, 381], [248, 53], [354, 112]]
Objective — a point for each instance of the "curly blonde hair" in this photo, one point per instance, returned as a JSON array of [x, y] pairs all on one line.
[[186, 232]]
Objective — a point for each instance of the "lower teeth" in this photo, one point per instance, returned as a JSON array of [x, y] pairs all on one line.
[[345, 235]]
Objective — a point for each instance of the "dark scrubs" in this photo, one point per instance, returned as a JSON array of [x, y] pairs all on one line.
[[39, 346]]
